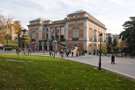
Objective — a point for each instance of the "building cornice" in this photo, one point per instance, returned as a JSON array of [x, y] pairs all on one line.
[[86, 18], [55, 24], [34, 25], [75, 19], [97, 23]]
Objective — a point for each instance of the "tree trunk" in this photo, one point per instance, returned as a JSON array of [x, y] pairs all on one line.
[[7, 42], [18, 46]]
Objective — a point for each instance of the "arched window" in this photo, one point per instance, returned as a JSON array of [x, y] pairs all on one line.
[[47, 36], [46, 29]]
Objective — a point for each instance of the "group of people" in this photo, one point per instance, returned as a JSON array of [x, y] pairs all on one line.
[[67, 53]]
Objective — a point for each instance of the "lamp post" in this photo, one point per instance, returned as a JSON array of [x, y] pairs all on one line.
[[99, 67]]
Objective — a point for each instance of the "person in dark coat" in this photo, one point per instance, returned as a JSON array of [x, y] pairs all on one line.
[[72, 53], [50, 53], [113, 59]]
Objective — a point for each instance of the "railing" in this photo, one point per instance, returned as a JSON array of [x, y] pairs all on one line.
[[63, 39], [33, 40], [95, 40], [91, 39], [75, 39]]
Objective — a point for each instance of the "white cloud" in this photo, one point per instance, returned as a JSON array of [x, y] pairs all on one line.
[[113, 13]]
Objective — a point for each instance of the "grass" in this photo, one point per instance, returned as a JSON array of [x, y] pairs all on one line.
[[10, 43], [45, 73]]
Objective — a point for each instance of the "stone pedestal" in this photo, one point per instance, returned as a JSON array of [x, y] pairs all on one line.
[[42, 43], [48, 43], [55, 45]]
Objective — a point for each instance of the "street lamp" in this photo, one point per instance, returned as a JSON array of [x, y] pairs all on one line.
[[99, 67]]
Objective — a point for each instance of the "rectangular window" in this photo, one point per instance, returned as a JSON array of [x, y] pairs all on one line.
[[33, 35], [76, 16], [90, 35], [47, 36], [75, 45], [89, 48], [75, 33], [46, 29], [95, 35]]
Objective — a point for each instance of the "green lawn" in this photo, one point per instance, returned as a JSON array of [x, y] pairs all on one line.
[[44, 73], [10, 43]]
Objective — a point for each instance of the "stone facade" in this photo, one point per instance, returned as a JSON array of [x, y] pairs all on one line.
[[78, 29]]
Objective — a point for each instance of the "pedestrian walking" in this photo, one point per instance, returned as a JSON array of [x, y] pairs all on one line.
[[61, 52], [50, 53], [113, 59], [72, 53], [77, 53]]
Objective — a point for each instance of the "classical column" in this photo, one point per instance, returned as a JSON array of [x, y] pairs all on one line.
[[38, 45], [60, 34], [45, 32], [56, 46], [55, 33], [50, 33]]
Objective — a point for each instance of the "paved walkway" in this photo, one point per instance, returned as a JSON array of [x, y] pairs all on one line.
[[123, 66]]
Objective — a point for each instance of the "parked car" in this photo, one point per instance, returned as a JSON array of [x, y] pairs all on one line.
[[8, 49]]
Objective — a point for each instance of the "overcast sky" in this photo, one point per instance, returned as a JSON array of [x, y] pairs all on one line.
[[112, 13]]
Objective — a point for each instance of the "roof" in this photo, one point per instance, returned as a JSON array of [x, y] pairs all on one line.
[[81, 11], [59, 21], [77, 12], [38, 19]]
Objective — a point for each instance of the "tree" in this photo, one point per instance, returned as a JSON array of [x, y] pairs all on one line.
[[114, 42], [26, 40], [104, 48], [109, 42], [7, 37], [122, 44], [5, 27], [1, 38], [129, 34], [18, 30]]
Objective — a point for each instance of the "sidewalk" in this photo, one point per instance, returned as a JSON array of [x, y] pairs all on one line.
[[122, 66]]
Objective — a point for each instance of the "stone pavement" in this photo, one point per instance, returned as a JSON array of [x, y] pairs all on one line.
[[122, 66]]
